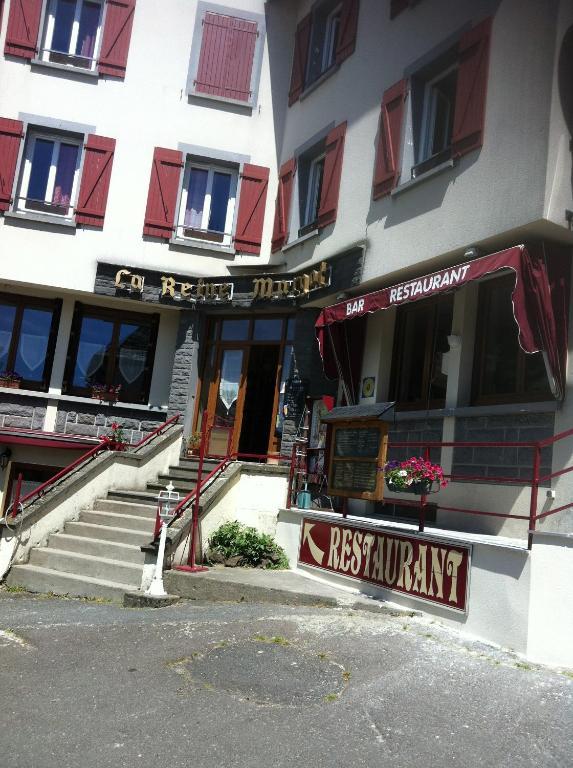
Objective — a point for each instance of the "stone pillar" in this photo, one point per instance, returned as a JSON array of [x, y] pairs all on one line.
[[185, 372]]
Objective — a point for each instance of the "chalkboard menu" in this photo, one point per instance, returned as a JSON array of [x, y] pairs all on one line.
[[358, 452]]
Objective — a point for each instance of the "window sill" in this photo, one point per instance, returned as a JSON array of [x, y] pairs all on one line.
[[318, 82], [422, 177], [43, 218], [25, 392], [66, 68], [300, 240], [248, 106], [202, 245], [93, 401], [478, 410]]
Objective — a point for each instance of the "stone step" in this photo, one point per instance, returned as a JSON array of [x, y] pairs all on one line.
[[108, 533], [136, 497], [185, 461], [36, 578], [182, 473], [125, 507], [87, 565], [115, 520], [181, 486], [115, 550]]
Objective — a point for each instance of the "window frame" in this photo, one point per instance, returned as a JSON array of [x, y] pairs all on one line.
[[396, 371], [202, 9], [22, 303], [428, 126], [82, 311], [58, 138], [329, 42], [47, 34], [521, 395], [232, 204], [313, 192]]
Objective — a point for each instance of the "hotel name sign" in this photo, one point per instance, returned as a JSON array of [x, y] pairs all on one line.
[[200, 290]]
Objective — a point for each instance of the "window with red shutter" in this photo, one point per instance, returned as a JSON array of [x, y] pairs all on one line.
[[252, 203], [11, 135], [283, 204], [71, 33], [94, 186], [323, 40], [388, 159], [116, 37], [332, 173], [162, 195], [227, 55]]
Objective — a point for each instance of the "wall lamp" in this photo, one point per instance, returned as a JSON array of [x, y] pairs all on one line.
[[5, 458]]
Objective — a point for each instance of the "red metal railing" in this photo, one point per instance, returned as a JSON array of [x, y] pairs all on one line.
[[85, 458], [535, 480]]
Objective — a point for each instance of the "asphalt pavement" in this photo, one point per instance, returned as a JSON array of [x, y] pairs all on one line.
[[86, 685]]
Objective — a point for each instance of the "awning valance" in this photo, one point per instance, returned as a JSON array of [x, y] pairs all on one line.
[[539, 313]]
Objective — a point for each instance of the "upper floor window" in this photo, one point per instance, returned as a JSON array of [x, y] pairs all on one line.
[[75, 34], [107, 349], [28, 329], [207, 204], [435, 115], [324, 39], [72, 32], [50, 174], [48, 182], [226, 56], [502, 371]]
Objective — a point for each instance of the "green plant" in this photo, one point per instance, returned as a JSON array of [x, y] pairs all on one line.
[[234, 539], [194, 440]]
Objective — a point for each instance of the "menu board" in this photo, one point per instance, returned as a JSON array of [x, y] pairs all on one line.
[[358, 453]]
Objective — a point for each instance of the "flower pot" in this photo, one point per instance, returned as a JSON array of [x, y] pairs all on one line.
[[192, 452], [417, 488], [10, 383], [113, 445]]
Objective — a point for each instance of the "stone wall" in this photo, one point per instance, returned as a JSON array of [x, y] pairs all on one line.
[[96, 420], [185, 364], [22, 412], [502, 461], [414, 430]]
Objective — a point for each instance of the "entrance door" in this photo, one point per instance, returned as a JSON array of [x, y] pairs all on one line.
[[226, 401], [258, 408]]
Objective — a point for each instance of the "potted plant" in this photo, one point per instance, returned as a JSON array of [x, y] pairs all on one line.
[[98, 391], [115, 440], [415, 475], [106, 393], [193, 444], [10, 379]]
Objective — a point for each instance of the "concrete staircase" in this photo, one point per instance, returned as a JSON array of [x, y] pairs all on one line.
[[99, 555]]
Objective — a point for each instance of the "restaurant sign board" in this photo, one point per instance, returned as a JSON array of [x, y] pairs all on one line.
[[424, 568]]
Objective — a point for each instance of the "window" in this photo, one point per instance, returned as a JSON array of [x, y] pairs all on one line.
[[324, 39], [310, 196], [502, 371], [28, 329], [420, 340], [72, 32], [433, 100], [108, 350], [227, 56], [207, 206], [50, 174]]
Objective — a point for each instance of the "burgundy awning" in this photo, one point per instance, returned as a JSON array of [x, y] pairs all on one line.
[[536, 309]]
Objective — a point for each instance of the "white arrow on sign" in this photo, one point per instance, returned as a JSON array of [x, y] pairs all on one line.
[[315, 551]]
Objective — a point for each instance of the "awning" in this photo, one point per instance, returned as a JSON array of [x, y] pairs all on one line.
[[539, 309]]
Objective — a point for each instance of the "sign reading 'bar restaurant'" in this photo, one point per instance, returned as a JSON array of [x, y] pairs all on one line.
[[423, 568]]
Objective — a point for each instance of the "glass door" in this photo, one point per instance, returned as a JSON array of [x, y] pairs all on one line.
[[226, 397]]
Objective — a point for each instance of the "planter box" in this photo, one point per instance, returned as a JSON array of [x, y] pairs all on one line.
[[10, 383], [420, 488]]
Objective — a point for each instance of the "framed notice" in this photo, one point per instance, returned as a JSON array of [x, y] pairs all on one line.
[[358, 451]]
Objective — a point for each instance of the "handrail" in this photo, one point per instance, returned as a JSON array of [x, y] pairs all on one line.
[[85, 458], [534, 481]]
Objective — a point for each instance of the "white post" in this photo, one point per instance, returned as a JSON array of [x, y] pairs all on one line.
[[156, 588]]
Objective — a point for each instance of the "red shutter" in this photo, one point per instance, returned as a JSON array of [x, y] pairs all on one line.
[[348, 26], [471, 89], [162, 195], [300, 59], [332, 173], [226, 58], [94, 186], [23, 28], [11, 134], [282, 210], [118, 22], [252, 202], [387, 171], [397, 6]]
